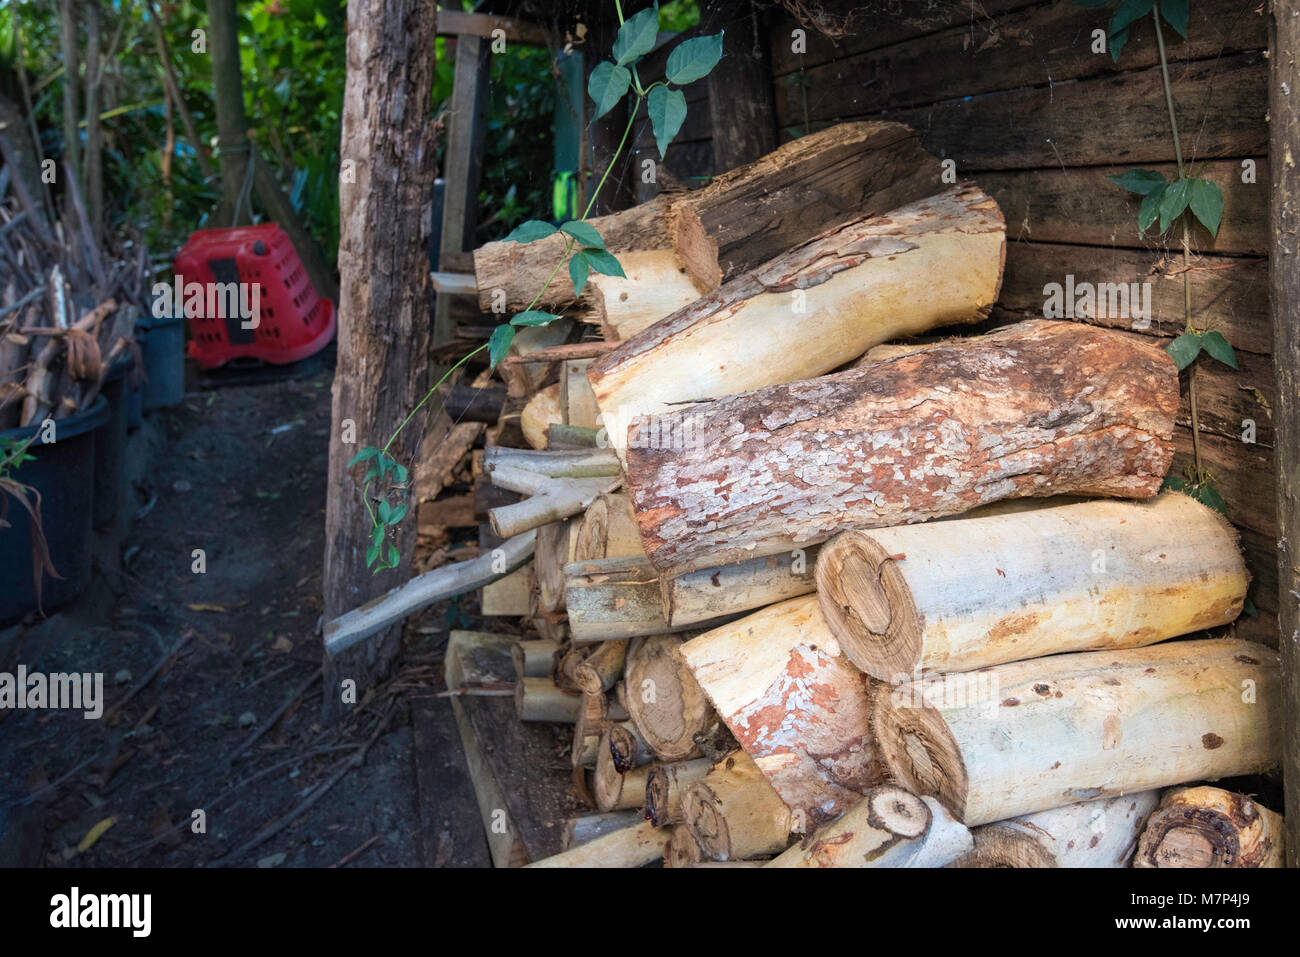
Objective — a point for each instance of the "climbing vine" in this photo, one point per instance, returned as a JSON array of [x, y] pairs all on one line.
[[1167, 203], [386, 482]]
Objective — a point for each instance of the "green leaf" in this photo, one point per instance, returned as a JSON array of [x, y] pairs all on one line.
[[1150, 209], [1129, 11], [1207, 495], [394, 557], [603, 262], [578, 270], [385, 510], [1117, 40], [1206, 200], [636, 37], [1173, 202], [667, 110], [606, 86], [1249, 608], [376, 536], [376, 469], [499, 344], [1174, 13], [367, 453], [1173, 483], [534, 317], [400, 474], [530, 231], [1219, 348], [693, 59], [1140, 181], [584, 233], [372, 555], [1185, 349], [398, 514]]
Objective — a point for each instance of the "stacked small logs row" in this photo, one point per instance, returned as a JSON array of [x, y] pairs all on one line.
[[811, 600]]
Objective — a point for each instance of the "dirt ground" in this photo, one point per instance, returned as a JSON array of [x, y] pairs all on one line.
[[211, 680]]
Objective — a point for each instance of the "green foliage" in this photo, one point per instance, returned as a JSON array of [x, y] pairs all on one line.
[[1128, 12], [530, 231], [667, 109], [636, 37], [389, 504], [1169, 200], [607, 86], [694, 59], [1200, 488]]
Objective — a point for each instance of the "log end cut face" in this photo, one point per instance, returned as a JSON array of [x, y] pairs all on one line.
[[918, 748]]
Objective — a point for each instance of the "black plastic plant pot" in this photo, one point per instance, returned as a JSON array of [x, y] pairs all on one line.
[[110, 446], [63, 472]]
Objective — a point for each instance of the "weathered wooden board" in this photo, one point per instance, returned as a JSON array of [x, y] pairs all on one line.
[[1082, 206], [873, 28], [519, 777], [1040, 46], [1105, 121], [1228, 293]]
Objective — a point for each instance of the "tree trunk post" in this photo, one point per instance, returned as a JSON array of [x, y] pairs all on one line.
[[232, 126], [68, 37], [388, 141], [1284, 217]]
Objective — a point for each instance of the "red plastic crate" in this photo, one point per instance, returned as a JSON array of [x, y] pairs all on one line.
[[294, 322]]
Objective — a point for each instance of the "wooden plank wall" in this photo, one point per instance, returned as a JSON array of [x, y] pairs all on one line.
[[1011, 91]]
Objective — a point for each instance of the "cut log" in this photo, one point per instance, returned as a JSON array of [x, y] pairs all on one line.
[[889, 827], [533, 658], [800, 710], [682, 850], [721, 592], [541, 412], [561, 437], [934, 262], [567, 659], [608, 530], [1035, 409], [1025, 737], [509, 596], [475, 403], [966, 594], [1098, 833], [422, 590], [627, 847], [550, 499], [575, 464], [601, 669], [588, 729], [734, 814], [555, 550], [654, 285], [666, 786], [1210, 827], [741, 219], [538, 699], [664, 700], [617, 784], [587, 827], [613, 598], [577, 403]]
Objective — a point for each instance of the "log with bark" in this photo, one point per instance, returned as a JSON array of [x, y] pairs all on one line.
[[1035, 409], [632, 846], [937, 261], [734, 814], [539, 414], [682, 849], [966, 594], [538, 699], [602, 668], [533, 659], [1210, 827], [800, 710], [664, 700], [608, 530], [623, 767], [1032, 735], [667, 785], [587, 827], [1101, 833], [554, 550], [743, 218], [889, 827]]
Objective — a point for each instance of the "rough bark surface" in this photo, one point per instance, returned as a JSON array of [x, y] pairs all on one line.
[[384, 302], [814, 307], [800, 710], [1036, 409]]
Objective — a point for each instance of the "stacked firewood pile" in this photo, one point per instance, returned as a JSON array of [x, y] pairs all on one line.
[[68, 308], [807, 596]]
